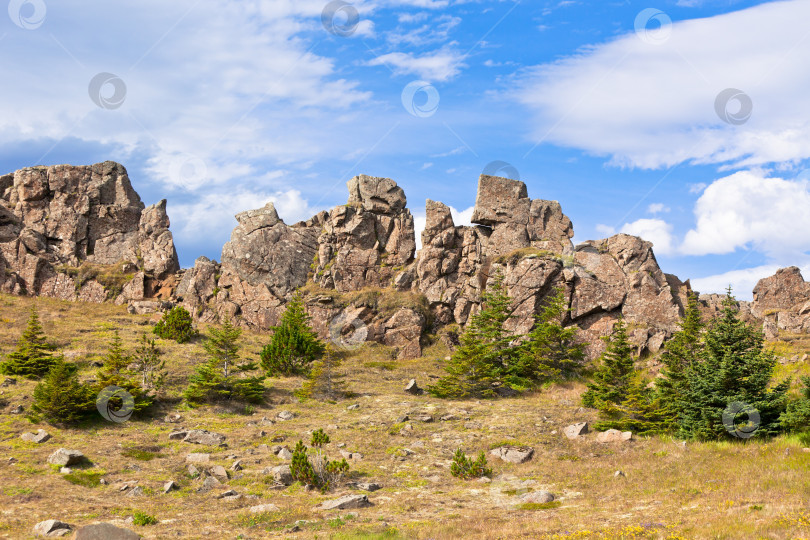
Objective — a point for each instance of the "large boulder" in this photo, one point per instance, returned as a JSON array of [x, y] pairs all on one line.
[[782, 303]]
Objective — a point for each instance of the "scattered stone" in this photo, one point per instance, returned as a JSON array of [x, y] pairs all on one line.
[[103, 481], [39, 437], [105, 531], [285, 415], [237, 465], [426, 418], [353, 456], [614, 435], [266, 421], [513, 454], [262, 508], [285, 454], [170, 486], [537, 497], [366, 486], [230, 495], [64, 457], [198, 458], [401, 419], [448, 417], [65, 470], [619, 474], [575, 430], [51, 528], [413, 388], [193, 471], [353, 407], [219, 472], [17, 410], [177, 435], [204, 437], [472, 425], [10, 381], [172, 419], [346, 502], [208, 484], [282, 475]]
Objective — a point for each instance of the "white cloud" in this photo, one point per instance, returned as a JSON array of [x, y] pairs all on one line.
[[751, 210], [697, 188], [605, 230], [211, 215], [657, 208], [438, 66], [651, 106], [742, 281], [657, 231], [436, 31]]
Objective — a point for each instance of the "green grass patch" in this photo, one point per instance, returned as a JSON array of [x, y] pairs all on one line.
[[88, 479], [142, 518], [142, 453]]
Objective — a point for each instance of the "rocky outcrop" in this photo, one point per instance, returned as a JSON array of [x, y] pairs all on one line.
[[63, 229], [782, 302]]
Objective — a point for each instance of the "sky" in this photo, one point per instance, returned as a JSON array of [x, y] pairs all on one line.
[[685, 122]]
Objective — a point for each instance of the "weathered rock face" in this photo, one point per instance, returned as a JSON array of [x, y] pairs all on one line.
[[62, 216], [782, 302], [365, 240]]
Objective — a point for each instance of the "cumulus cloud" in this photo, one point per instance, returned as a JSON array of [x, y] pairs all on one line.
[[653, 105], [657, 208], [657, 231], [751, 210], [742, 281], [437, 66]]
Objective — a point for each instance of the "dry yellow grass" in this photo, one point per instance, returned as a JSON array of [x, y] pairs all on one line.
[[671, 490]]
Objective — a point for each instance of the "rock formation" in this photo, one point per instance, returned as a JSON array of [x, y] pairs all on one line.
[[82, 233]]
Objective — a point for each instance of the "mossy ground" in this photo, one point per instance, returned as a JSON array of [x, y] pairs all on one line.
[[671, 490]]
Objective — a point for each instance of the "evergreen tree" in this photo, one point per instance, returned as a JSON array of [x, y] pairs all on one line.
[[33, 356], [485, 352], [294, 345], [796, 417], [324, 382], [60, 398], [149, 365], [680, 353], [640, 412], [223, 376], [116, 371], [176, 324], [611, 382], [735, 368], [550, 351]]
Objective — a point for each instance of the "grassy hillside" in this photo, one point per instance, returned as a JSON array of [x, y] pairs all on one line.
[[669, 489]]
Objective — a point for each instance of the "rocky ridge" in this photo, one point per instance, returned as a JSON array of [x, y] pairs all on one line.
[[82, 233]]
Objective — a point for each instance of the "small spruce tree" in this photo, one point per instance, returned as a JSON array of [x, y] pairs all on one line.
[[176, 324], [116, 371], [33, 356], [223, 376], [324, 381], [294, 345], [640, 411], [612, 379], [60, 398], [550, 352], [485, 352], [467, 468], [736, 368], [149, 365], [681, 352]]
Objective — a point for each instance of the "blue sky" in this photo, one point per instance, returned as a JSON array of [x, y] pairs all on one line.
[[609, 107]]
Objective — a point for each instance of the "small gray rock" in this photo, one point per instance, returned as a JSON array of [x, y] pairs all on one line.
[[39, 437], [170, 486], [537, 497], [575, 430], [51, 528], [205, 437], [262, 508], [346, 502], [513, 454], [177, 435], [282, 475], [285, 454], [285, 415], [65, 457], [198, 458], [353, 407], [413, 388]]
